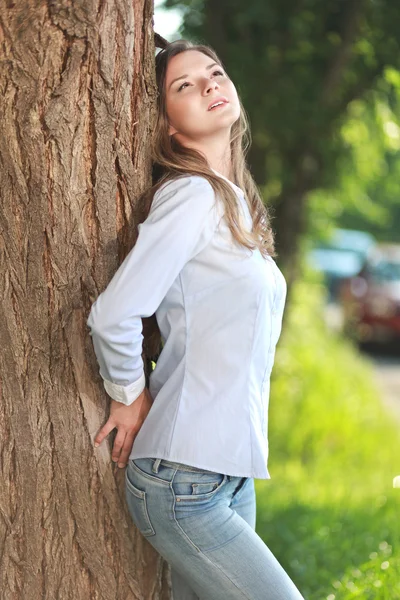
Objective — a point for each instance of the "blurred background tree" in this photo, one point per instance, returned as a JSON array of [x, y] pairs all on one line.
[[320, 83]]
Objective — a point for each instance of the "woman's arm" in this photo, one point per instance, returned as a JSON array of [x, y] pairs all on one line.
[[181, 222]]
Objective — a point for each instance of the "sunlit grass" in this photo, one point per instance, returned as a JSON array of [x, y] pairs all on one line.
[[330, 513]]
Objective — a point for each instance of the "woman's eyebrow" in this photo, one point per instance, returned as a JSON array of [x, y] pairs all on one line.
[[184, 76]]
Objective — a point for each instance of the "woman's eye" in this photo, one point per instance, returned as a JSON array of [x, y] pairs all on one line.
[[186, 83], [181, 86]]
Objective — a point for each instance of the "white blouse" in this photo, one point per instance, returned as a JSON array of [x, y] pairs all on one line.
[[219, 308]]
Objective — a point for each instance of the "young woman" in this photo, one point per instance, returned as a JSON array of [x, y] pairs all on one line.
[[196, 437]]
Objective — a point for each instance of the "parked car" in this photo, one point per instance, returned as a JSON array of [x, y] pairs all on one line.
[[341, 257], [371, 299]]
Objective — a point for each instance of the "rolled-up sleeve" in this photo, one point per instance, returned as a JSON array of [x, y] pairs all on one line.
[[181, 222]]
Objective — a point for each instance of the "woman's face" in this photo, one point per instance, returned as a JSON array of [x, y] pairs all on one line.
[[193, 81]]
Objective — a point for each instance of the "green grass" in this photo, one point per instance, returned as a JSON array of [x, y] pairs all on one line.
[[330, 513]]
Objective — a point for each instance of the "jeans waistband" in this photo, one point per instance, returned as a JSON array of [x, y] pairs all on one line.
[[168, 463]]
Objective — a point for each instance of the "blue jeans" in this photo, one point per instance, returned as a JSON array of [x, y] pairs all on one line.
[[203, 524]]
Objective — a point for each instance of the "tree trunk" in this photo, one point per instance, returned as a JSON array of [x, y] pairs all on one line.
[[290, 218], [77, 91]]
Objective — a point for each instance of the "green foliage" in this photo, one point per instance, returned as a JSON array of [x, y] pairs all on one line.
[[329, 513], [367, 195]]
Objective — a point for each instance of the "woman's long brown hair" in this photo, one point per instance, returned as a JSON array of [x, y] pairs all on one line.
[[171, 160]]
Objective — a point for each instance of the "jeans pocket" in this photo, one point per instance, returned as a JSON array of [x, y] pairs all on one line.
[[191, 486], [137, 504]]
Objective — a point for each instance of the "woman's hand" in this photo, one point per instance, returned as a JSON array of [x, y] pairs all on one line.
[[128, 420]]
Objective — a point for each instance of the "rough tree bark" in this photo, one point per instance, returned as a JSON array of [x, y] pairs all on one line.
[[77, 93]]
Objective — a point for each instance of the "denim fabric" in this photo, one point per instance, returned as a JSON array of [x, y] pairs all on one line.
[[203, 523]]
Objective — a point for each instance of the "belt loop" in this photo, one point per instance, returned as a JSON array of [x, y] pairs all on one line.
[[156, 464]]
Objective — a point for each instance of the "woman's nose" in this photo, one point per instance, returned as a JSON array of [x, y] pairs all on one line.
[[211, 85]]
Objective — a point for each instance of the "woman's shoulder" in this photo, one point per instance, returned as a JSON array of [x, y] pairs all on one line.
[[186, 186], [183, 181]]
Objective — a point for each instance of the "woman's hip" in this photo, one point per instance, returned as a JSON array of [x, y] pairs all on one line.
[[169, 498], [192, 518]]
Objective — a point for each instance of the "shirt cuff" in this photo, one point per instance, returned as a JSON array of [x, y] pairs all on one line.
[[126, 394]]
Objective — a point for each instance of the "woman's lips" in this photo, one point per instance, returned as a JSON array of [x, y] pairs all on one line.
[[220, 99], [218, 106]]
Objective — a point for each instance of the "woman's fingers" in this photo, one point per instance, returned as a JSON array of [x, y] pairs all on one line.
[[128, 420], [126, 449], [122, 444], [104, 431], [118, 444]]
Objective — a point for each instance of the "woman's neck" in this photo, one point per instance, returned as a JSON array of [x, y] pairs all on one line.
[[217, 152]]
